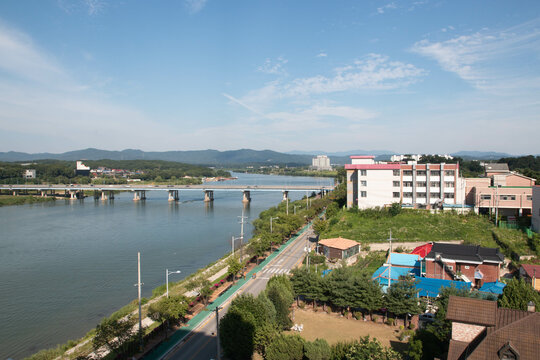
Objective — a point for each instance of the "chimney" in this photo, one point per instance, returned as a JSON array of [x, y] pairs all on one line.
[[531, 307]]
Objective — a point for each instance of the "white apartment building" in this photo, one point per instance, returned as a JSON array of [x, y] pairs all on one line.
[[321, 162], [371, 184]]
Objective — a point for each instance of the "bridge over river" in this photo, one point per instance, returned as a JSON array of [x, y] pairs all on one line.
[[106, 192]]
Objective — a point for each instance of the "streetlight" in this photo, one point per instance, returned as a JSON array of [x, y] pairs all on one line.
[[217, 332], [167, 273], [272, 218]]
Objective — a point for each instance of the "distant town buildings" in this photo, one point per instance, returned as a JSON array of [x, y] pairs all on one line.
[[82, 169], [371, 184], [321, 162], [415, 157], [29, 174]]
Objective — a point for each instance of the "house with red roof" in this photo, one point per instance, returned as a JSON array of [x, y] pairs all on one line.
[[531, 274]]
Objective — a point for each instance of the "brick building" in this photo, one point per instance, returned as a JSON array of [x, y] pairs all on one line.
[[471, 263], [481, 330]]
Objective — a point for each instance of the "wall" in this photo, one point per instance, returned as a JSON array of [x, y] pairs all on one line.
[[536, 208], [490, 271], [379, 188]]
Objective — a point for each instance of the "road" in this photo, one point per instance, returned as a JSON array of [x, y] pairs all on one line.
[[202, 344]]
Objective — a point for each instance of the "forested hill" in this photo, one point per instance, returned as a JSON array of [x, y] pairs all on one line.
[[201, 157]]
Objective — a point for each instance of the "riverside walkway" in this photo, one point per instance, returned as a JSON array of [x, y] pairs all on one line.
[[196, 340]]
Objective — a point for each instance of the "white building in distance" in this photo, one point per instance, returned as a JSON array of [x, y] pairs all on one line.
[[29, 174], [416, 157], [321, 162]]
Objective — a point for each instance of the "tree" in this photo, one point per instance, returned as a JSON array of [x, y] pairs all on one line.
[[365, 348], [341, 287], [517, 294], [395, 209], [114, 334], [317, 350], [319, 226], [236, 332], [415, 349], [373, 297], [282, 297], [286, 347], [168, 309], [205, 290], [234, 266], [401, 297]]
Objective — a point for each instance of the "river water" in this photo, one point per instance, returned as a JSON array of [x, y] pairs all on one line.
[[65, 265]]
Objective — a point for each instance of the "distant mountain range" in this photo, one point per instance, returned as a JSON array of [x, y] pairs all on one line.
[[227, 158], [199, 157]]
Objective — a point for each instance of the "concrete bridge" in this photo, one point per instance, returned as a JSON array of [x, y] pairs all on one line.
[[106, 192]]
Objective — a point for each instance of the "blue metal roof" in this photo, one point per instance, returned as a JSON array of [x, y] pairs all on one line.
[[431, 287], [404, 259], [493, 287]]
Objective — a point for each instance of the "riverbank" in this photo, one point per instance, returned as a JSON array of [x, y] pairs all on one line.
[[10, 200]]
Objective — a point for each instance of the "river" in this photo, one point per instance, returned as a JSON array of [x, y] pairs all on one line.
[[65, 265]]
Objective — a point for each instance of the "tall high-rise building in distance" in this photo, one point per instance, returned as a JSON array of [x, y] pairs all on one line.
[[321, 162]]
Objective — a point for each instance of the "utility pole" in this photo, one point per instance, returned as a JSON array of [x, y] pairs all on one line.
[[287, 206], [139, 284], [242, 218], [390, 260], [217, 333]]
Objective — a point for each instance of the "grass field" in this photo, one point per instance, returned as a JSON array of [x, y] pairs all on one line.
[[334, 328], [6, 200], [418, 225]]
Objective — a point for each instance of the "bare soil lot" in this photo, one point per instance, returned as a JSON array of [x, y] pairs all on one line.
[[334, 328]]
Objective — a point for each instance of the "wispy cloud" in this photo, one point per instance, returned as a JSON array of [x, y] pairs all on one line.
[[91, 7], [273, 67], [39, 99], [488, 59], [389, 6], [322, 54], [194, 6]]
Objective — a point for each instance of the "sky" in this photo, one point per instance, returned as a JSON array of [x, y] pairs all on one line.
[[423, 76]]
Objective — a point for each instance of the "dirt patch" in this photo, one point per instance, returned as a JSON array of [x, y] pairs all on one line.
[[334, 328]]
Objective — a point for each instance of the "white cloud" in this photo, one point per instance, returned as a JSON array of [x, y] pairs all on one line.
[[487, 59], [322, 54], [194, 6], [273, 67], [39, 99], [91, 7], [94, 7], [389, 6]]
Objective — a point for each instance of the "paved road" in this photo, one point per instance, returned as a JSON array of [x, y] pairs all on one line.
[[203, 344]]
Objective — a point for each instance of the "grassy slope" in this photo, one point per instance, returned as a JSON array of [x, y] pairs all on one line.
[[20, 200], [411, 225]]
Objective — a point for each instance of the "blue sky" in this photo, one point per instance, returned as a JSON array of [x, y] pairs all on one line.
[[409, 76]]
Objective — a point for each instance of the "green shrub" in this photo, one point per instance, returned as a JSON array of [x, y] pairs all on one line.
[[390, 321], [358, 315]]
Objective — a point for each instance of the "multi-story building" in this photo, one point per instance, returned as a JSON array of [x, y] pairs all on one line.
[[501, 190], [371, 184], [535, 211], [321, 162], [29, 174]]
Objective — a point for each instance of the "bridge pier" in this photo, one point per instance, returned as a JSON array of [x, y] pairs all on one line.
[[173, 195], [104, 196], [136, 196], [208, 195], [285, 195], [15, 192], [246, 197]]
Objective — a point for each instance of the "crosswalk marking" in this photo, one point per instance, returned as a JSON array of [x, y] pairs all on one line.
[[275, 271]]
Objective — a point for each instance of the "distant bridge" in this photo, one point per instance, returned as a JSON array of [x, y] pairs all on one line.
[[106, 192]]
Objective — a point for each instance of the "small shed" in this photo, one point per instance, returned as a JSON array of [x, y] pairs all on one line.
[[339, 248]]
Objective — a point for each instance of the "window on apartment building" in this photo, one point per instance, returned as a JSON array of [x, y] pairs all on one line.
[[363, 183], [396, 194], [407, 172], [363, 172], [421, 194], [407, 194], [448, 195], [449, 184], [421, 183], [435, 173], [421, 173], [507, 197], [449, 173], [396, 172], [396, 183], [485, 197], [529, 197], [407, 183], [434, 195], [363, 193], [451, 267]]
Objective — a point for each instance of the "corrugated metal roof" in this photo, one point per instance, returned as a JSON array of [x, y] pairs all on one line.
[[404, 259]]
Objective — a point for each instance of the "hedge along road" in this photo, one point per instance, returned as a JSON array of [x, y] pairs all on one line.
[[197, 340]]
